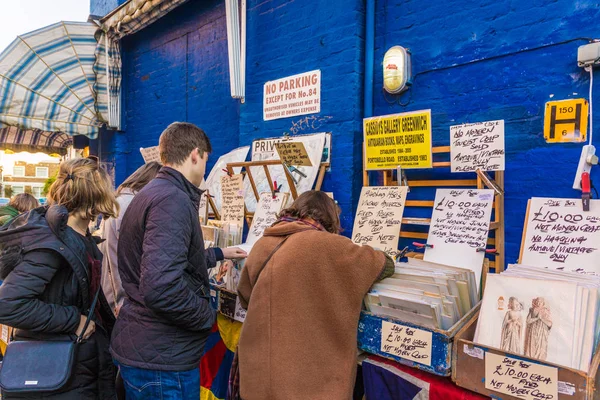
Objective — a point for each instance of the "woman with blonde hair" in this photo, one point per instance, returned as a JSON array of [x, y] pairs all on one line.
[[51, 268], [18, 204]]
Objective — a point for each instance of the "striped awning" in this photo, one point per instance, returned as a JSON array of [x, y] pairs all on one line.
[[134, 15], [34, 140], [55, 79]]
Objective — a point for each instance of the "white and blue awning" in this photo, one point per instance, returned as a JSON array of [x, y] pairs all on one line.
[[56, 79]]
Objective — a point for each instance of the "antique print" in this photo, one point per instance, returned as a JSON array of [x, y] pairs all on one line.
[[537, 332], [519, 317], [512, 327]]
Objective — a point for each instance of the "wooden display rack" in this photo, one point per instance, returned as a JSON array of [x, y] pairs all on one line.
[[479, 181], [369, 333], [247, 172]]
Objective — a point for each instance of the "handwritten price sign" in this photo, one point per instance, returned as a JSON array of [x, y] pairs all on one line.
[[406, 342], [379, 217], [293, 153], [520, 379], [560, 235]]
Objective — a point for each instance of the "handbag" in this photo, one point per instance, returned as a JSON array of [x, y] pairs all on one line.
[[33, 366], [233, 387]]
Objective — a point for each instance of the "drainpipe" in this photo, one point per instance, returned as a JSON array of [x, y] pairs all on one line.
[[369, 61], [369, 58]]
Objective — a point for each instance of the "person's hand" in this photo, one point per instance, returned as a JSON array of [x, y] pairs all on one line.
[[90, 329], [234, 253]]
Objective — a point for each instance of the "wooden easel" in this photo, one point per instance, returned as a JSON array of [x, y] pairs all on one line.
[[479, 181], [247, 172]]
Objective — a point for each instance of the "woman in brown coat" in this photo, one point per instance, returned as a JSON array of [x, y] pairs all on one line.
[[303, 286]]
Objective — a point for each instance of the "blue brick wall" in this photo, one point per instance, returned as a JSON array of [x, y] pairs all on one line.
[[488, 60], [177, 70], [102, 7], [290, 37], [472, 60]]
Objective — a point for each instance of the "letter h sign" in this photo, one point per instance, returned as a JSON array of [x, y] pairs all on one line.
[[566, 121]]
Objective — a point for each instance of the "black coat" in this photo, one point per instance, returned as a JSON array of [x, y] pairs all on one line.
[[46, 289], [166, 317]]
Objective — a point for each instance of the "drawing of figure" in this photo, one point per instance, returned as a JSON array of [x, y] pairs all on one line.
[[537, 331], [512, 327], [501, 303]]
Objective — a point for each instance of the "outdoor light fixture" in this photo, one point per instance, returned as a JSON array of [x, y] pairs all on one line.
[[397, 75]]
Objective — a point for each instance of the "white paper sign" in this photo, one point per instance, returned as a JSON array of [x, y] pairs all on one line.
[[518, 378], [406, 342], [292, 96], [213, 182], [379, 217], [266, 214], [150, 154], [232, 192], [560, 235], [477, 146], [240, 313], [459, 226]]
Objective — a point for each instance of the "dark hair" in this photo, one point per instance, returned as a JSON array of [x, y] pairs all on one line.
[[179, 140], [24, 202], [318, 206], [141, 177]]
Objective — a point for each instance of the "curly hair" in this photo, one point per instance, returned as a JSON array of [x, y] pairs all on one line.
[[317, 206]]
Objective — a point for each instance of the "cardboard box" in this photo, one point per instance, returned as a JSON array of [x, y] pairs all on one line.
[[469, 371], [389, 338]]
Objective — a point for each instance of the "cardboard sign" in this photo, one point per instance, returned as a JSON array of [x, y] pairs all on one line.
[[293, 153], [267, 209], [560, 235], [566, 121], [477, 146], [232, 192], [459, 226], [398, 140], [240, 313], [150, 154], [292, 96], [518, 378], [379, 217], [406, 342]]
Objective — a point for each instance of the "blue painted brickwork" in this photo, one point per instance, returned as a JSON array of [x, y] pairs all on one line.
[[508, 83], [177, 70], [473, 60], [290, 37], [102, 7]]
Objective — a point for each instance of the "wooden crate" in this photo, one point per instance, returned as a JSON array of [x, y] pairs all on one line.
[[370, 337], [468, 369]]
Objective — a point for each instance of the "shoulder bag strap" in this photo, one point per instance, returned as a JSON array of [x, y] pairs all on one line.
[[269, 257], [90, 314]]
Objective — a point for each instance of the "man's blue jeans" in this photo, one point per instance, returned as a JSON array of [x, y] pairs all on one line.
[[160, 385]]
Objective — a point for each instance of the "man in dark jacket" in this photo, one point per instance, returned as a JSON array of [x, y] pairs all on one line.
[[166, 318]]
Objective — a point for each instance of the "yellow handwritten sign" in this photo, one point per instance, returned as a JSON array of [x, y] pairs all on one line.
[[406, 342], [566, 121], [518, 378], [293, 153], [398, 140]]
